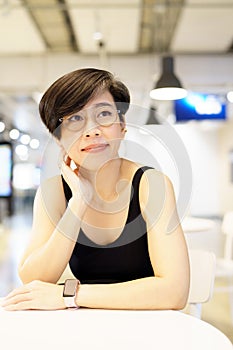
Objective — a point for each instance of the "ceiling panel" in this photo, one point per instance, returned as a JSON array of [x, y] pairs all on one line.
[[18, 33], [118, 25], [104, 3], [210, 3], [52, 20], [204, 27], [159, 18]]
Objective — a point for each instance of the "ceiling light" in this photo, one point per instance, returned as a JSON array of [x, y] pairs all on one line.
[[25, 139], [230, 96], [21, 150], [97, 36], [34, 143], [14, 134], [168, 87], [2, 126]]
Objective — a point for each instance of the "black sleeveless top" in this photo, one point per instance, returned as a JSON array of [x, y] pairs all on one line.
[[125, 259]]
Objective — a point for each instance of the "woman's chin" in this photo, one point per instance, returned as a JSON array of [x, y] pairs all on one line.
[[93, 163]]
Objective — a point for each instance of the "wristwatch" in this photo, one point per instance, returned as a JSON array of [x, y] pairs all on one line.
[[69, 292]]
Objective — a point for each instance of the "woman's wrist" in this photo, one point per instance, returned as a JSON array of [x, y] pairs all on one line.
[[77, 206], [69, 225], [70, 291], [80, 295]]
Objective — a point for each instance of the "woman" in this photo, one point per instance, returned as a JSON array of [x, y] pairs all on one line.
[[106, 216]]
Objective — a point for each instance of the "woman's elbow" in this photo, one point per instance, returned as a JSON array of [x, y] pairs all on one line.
[[181, 294], [173, 296], [180, 303], [25, 274], [22, 275]]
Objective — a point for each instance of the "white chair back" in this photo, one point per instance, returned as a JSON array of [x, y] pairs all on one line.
[[224, 269], [227, 229], [202, 275]]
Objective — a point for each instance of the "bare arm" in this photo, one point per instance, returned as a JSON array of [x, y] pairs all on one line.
[[53, 238], [168, 289], [55, 228]]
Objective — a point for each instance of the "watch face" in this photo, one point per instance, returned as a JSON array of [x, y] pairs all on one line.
[[70, 288]]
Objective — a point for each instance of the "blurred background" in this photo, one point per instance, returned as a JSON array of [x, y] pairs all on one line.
[[42, 40]]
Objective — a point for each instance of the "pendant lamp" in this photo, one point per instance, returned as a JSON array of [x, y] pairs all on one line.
[[168, 86]]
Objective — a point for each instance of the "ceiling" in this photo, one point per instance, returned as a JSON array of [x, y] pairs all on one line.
[[115, 26], [107, 28]]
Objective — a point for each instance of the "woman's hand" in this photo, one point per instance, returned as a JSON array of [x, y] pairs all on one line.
[[80, 187], [36, 295]]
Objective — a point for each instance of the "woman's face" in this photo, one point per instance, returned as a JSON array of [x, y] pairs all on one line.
[[92, 136]]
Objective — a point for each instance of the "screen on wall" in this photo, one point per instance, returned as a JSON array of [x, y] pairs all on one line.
[[197, 106], [5, 169]]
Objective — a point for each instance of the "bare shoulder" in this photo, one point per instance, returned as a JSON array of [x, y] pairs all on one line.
[[52, 182], [129, 168], [151, 180], [154, 179], [51, 195], [155, 190]]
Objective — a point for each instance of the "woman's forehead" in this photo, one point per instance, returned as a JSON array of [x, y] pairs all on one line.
[[102, 97]]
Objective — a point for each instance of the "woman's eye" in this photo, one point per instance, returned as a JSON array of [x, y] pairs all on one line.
[[104, 114], [75, 118]]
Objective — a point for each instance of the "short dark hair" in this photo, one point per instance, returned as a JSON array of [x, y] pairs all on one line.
[[72, 91]]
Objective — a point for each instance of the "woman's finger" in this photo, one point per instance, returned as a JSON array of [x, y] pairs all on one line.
[[16, 299], [76, 170], [67, 160], [21, 290], [23, 305]]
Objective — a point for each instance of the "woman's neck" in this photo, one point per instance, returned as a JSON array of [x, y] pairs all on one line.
[[105, 180]]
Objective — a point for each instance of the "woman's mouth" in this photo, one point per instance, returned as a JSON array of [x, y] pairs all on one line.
[[95, 148]]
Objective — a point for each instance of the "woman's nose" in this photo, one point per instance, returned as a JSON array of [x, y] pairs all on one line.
[[93, 132], [91, 127]]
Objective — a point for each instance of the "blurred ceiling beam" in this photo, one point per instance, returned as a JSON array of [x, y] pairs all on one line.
[[53, 22]]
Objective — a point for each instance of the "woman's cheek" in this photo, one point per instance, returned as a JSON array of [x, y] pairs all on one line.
[[70, 143]]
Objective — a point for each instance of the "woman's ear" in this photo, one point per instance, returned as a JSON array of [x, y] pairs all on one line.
[[123, 124], [123, 127]]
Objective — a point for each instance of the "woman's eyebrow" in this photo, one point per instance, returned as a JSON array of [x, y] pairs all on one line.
[[96, 105], [102, 104]]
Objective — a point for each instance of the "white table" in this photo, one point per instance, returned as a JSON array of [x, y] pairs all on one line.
[[192, 224], [107, 329], [202, 234]]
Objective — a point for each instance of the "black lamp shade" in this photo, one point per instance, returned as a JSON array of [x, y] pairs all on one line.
[[168, 77], [168, 87]]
